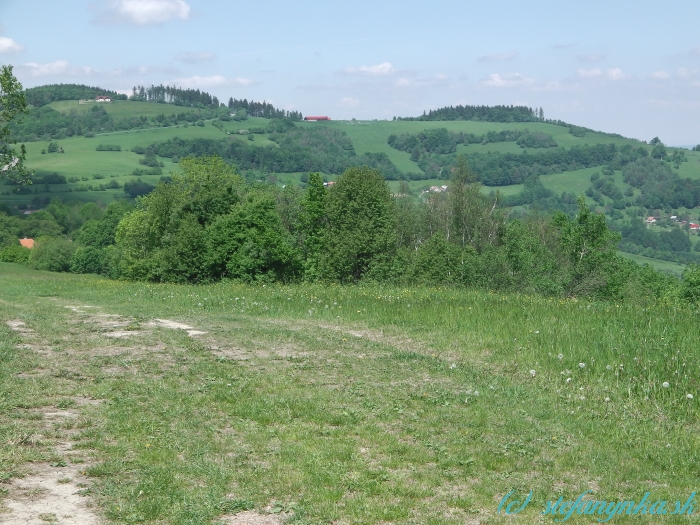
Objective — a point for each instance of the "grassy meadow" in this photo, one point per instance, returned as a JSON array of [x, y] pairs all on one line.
[[343, 405]]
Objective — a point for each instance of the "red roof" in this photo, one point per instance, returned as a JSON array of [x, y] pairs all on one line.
[[27, 243], [317, 118]]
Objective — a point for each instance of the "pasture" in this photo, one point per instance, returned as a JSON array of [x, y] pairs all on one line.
[[167, 404]]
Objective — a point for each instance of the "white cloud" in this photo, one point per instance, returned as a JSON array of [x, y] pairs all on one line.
[[198, 82], [507, 80], [591, 57], [659, 75], [144, 12], [498, 57], [683, 72], [695, 51], [615, 74], [211, 81], [59, 67], [7, 45], [610, 74], [440, 76], [349, 102], [403, 82], [190, 57], [378, 70], [589, 73]]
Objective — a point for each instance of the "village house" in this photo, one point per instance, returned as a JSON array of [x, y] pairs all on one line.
[[103, 98], [27, 243]]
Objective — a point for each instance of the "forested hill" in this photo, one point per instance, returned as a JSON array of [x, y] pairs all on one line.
[[42, 95], [484, 113], [193, 98], [201, 99]]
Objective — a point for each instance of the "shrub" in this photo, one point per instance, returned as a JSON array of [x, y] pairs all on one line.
[[87, 259], [52, 254], [15, 253], [690, 287]]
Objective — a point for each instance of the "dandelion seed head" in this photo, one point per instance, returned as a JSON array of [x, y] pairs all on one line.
[[665, 384], [582, 365], [689, 396]]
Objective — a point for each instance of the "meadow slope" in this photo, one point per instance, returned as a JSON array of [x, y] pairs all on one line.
[[187, 404]]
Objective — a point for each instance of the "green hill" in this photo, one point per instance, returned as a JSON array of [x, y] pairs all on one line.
[[421, 152]]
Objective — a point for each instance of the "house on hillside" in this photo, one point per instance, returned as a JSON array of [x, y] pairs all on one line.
[[27, 243], [103, 98], [651, 220], [694, 227], [317, 118]]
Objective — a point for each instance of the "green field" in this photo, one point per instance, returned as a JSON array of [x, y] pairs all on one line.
[[662, 266], [344, 405]]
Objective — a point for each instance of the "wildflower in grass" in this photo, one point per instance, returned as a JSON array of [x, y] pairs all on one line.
[[607, 400], [453, 366], [533, 373], [560, 356], [568, 380], [582, 365], [689, 396], [608, 367], [665, 384]]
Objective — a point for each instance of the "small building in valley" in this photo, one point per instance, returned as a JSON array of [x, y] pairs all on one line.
[[317, 118], [103, 98], [27, 243]]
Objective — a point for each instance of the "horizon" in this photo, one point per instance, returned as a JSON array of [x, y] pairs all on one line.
[[632, 72]]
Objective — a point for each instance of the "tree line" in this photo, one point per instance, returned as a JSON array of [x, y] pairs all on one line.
[[207, 224], [483, 113], [299, 150], [195, 98], [441, 141]]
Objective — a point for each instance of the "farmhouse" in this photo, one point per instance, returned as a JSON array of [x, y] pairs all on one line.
[[694, 226], [317, 118], [27, 243], [650, 220], [103, 98]]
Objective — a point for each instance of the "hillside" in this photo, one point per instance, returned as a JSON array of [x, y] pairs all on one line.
[[265, 153], [377, 405]]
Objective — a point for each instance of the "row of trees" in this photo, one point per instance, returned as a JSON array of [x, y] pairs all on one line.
[[484, 113], [201, 99], [207, 224], [441, 141], [299, 150]]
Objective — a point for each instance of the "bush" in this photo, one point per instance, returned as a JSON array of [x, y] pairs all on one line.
[[690, 287], [108, 147], [139, 150], [52, 254], [87, 259], [15, 253]]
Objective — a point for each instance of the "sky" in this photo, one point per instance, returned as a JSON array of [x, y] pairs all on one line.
[[628, 67]]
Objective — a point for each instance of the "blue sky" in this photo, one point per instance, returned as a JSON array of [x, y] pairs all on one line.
[[618, 66]]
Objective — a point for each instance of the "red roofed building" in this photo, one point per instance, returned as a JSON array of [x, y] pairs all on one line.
[[694, 226], [316, 118], [103, 98], [27, 243]]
